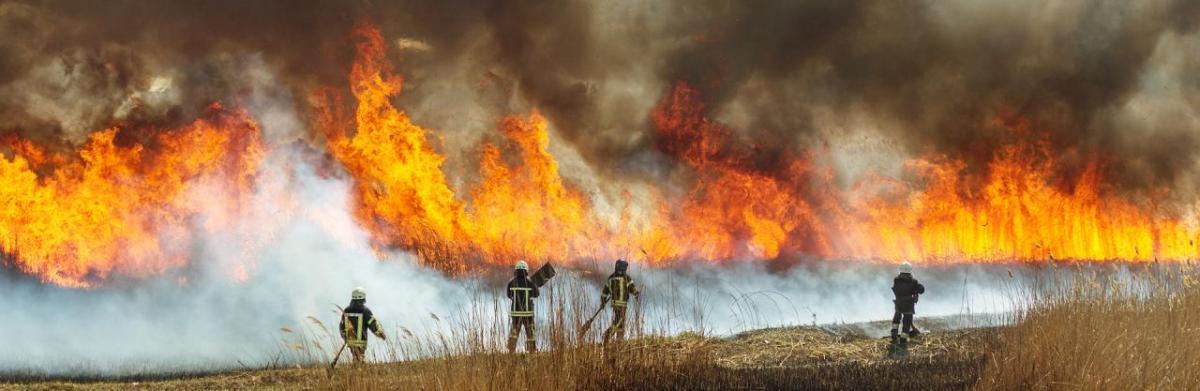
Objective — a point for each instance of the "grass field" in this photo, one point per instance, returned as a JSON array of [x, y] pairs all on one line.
[[821, 357], [1099, 331], [1131, 328]]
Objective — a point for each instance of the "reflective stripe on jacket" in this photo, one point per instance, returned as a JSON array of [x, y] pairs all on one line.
[[619, 287], [521, 292], [357, 319]]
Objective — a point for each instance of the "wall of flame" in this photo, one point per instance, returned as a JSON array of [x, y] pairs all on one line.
[[77, 219]]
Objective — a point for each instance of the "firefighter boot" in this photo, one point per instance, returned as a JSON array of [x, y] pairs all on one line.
[[530, 346]]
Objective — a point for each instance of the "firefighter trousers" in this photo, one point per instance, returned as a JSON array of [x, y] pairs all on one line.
[[617, 328], [519, 322], [359, 353], [907, 319]]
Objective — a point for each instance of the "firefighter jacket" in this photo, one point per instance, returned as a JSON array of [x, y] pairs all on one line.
[[619, 287], [356, 321], [906, 288], [521, 291]]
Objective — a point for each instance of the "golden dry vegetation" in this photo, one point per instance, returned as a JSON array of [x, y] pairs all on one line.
[[1082, 330], [1098, 331]]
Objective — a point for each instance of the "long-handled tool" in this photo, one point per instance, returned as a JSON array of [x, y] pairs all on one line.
[[336, 356], [588, 325]]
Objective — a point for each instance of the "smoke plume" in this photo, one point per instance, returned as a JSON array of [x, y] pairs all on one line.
[[867, 84], [931, 75]]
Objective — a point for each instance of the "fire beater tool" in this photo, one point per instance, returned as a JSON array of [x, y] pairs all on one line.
[[339, 352], [336, 356], [543, 274], [588, 325]]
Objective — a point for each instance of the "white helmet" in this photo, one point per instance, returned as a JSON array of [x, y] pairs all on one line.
[[521, 265], [358, 294], [906, 267]]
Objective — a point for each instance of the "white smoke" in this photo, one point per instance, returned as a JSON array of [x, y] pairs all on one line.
[[298, 249], [318, 254], [746, 296], [301, 252]]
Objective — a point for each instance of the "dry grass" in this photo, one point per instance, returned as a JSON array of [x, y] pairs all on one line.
[[466, 351], [1093, 329], [687, 361], [1104, 331], [803, 346]]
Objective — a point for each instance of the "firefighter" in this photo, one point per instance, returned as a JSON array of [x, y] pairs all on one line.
[[521, 291], [356, 320], [907, 290], [618, 287]]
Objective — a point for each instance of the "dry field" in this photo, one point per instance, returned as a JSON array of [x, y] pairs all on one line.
[[1096, 329], [816, 357], [1104, 332]]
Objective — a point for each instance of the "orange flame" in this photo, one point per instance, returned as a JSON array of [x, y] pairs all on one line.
[[530, 195], [404, 198], [736, 208], [126, 209], [1017, 214], [131, 210]]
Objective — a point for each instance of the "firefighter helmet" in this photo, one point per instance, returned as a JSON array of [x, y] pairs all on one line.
[[358, 294], [622, 265], [906, 267], [521, 265]]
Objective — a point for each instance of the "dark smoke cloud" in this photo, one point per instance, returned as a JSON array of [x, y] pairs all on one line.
[[931, 75], [936, 72], [1110, 77], [72, 67]]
